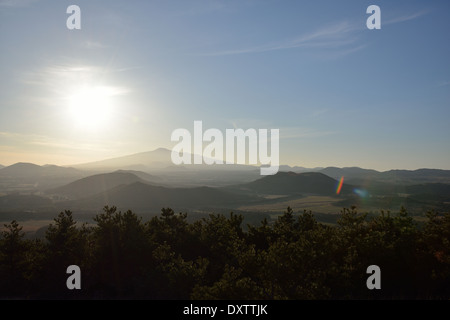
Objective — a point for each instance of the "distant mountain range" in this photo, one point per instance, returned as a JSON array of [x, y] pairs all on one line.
[[149, 181], [159, 159], [127, 190], [29, 176], [297, 169], [357, 175], [349, 173], [144, 161], [143, 192], [26, 170], [158, 164]]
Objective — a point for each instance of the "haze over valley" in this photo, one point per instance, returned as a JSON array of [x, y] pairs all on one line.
[[147, 182]]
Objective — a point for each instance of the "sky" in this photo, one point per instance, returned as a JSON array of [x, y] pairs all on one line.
[[340, 94]]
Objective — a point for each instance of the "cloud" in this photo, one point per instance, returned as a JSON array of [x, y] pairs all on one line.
[[48, 147], [332, 36], [60, 79], [30, 147], [19, 140], [404, 18], [342, 37]]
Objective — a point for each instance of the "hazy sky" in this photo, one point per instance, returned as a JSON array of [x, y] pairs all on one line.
[[341, 94]]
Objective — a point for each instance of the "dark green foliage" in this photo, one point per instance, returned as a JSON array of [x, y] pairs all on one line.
[[12, 259], [293, 257], [121, 251]]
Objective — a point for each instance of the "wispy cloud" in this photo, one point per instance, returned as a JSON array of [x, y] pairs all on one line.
[[70, 71], [342, 37], [36, 148], [37, 142], [336, 35], [404, 18], [59, 79]]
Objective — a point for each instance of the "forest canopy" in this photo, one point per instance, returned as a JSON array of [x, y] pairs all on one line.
[[295, 257]]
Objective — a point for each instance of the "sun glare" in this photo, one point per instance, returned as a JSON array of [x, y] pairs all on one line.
[[91, 107]]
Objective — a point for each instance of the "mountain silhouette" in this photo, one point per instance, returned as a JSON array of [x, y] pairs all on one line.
[[95, 184], [356, 175], [142, 196], [24, 169], [38, 176], [295, 183], [349, 173], [159, 158], [298, 169], [158, 162]]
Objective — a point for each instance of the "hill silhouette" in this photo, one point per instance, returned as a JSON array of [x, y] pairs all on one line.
[[295, 183], [37, 177], [349, 172], [356, 175], [298, 169], [95, 184], [142, 196], [29, 170]]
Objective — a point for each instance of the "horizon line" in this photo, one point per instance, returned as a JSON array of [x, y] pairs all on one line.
[[185, 165]]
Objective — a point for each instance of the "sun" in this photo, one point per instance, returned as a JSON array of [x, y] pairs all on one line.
[[91, 106]]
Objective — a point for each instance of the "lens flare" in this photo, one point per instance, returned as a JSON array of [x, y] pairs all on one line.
[[339, 186], [361, 192]]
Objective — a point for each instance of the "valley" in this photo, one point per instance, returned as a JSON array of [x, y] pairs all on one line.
[[147, 182]]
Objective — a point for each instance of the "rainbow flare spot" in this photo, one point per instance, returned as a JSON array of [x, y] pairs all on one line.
[[339, 187]]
